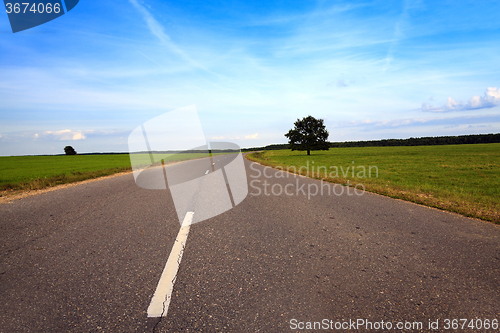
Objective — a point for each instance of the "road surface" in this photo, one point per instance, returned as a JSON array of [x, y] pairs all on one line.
[[89, 258]]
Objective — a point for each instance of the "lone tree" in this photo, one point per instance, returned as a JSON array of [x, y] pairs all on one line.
[[69, 150], [308, 134]]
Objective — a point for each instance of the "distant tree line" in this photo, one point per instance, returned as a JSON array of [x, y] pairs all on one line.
[[424, 141], [268, 147]]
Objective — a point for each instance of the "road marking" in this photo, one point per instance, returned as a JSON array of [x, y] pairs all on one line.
[[163, 294], [206, 173]]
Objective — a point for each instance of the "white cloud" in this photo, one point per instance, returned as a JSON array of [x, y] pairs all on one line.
[[252, 136], [64, 135], [490, 99], [225, 138]]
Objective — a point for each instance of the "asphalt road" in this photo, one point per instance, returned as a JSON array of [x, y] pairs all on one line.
[[88, 258]]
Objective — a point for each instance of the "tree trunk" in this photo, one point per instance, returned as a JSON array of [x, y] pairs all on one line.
[[308, 152]]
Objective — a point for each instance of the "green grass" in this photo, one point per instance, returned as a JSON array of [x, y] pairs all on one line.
[[459, 178], [37, 172], [26, 173]]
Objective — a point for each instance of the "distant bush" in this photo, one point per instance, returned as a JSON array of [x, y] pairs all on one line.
[[69, 150]]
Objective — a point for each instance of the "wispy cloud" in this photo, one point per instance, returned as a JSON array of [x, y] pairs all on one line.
[[63, 135], [398, 34], [223, 137], [490, 99], [445, 122], [341, 83], [153, 25], [159, 31], [246, 137]]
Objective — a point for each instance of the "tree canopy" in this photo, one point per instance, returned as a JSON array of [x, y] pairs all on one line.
[[308, 134], [69, 150]]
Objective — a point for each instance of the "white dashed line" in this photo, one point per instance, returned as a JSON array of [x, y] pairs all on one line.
[[163, 294]]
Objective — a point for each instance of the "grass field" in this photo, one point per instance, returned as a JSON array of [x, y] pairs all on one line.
[[21, 173], [459, 178], [37, 172]]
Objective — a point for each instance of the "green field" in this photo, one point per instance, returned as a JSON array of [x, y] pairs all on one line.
[[21, 173], [459, 178]]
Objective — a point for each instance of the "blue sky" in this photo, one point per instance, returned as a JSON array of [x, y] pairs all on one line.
[[371, 69]]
